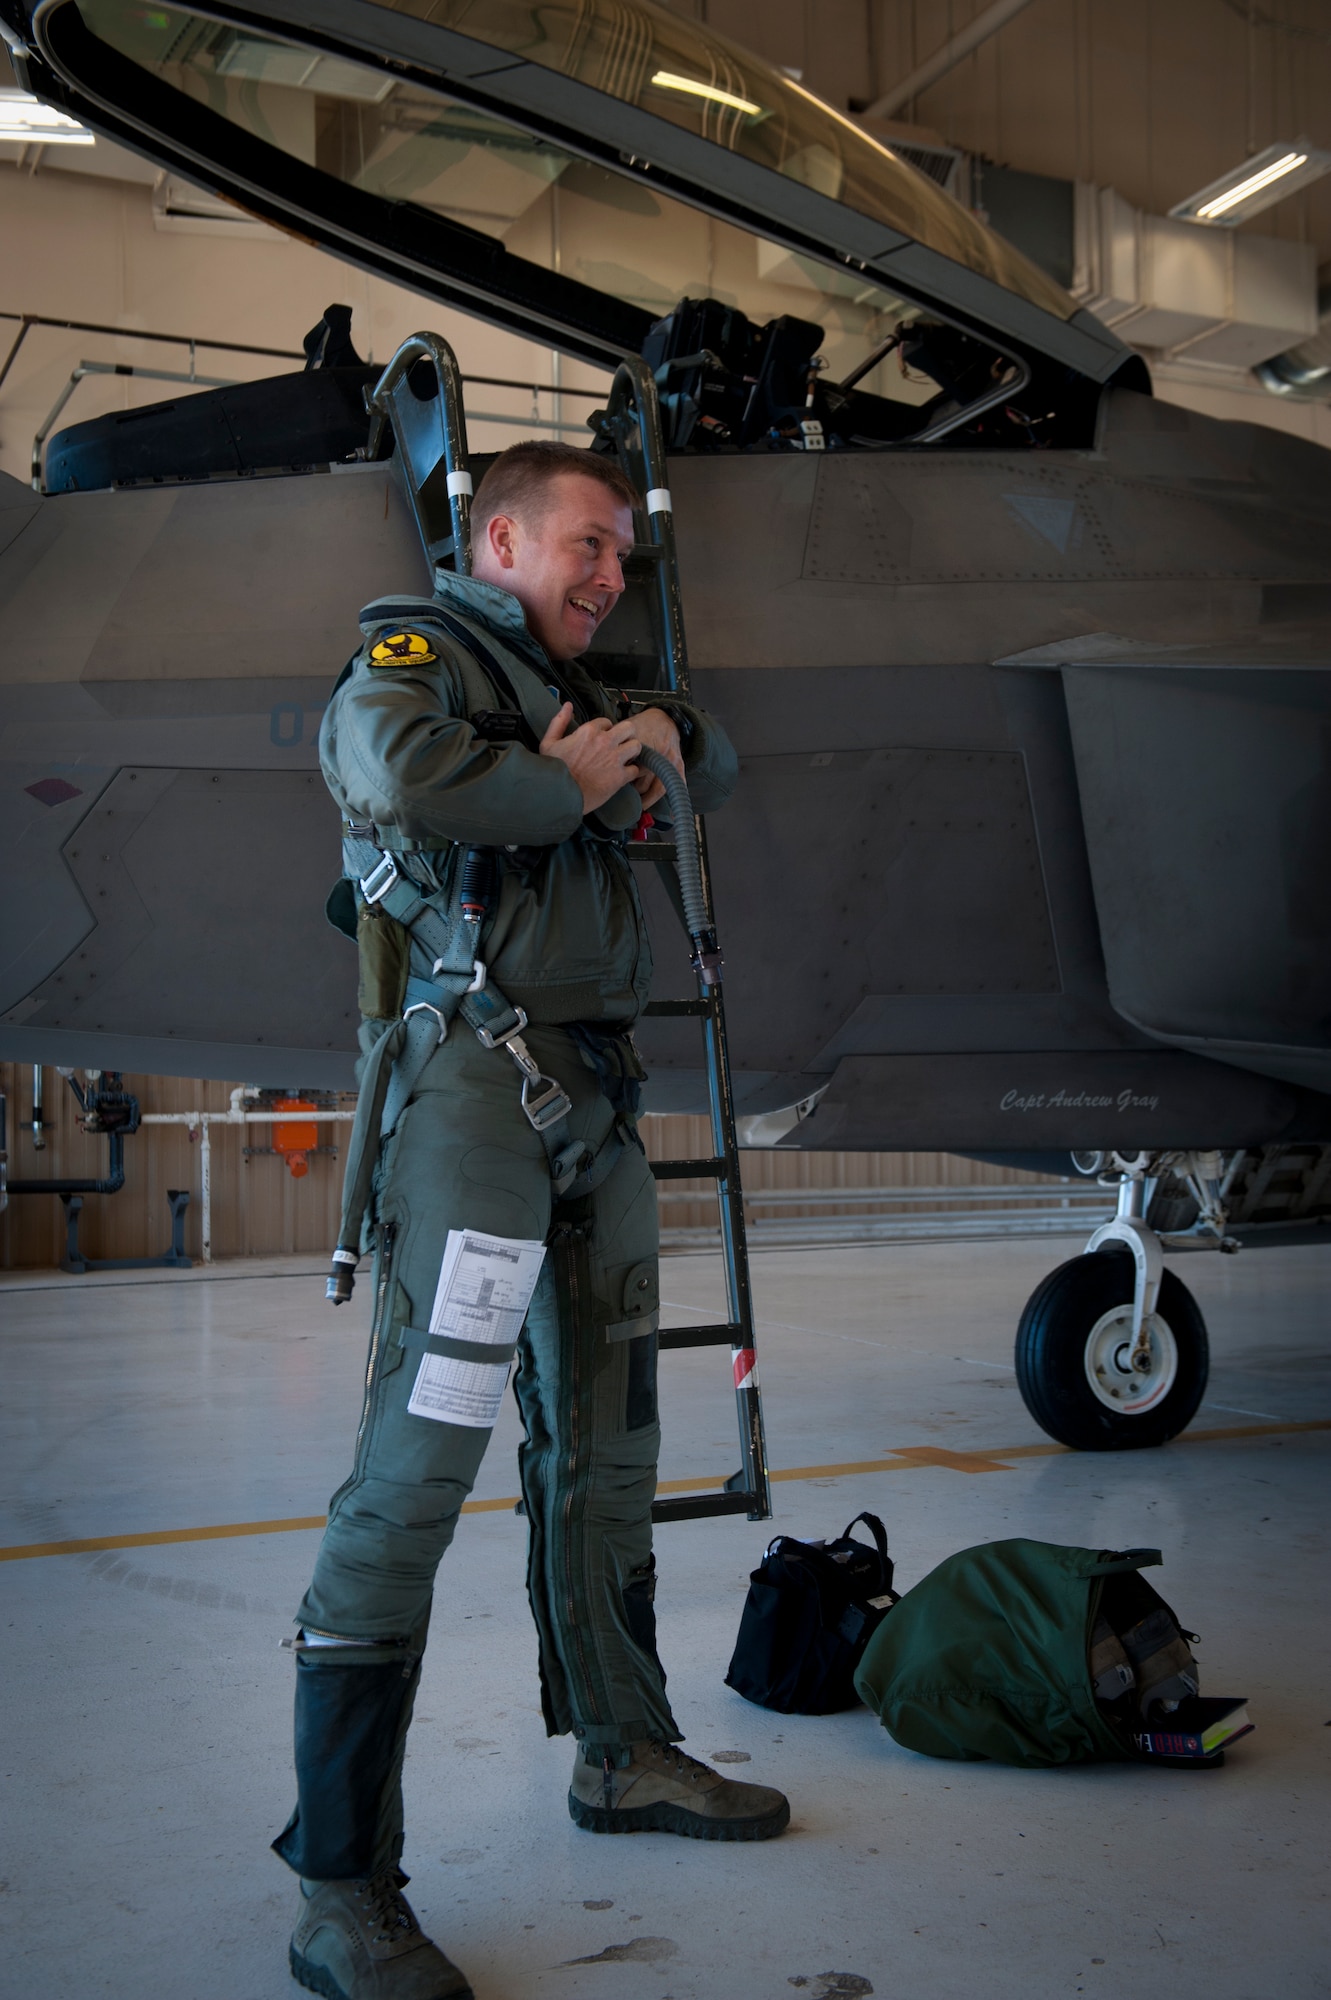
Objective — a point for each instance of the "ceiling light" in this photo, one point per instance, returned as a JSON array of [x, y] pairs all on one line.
[[667, 80], [26, 121], [1259, 183]]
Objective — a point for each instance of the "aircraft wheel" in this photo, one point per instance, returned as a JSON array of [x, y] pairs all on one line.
[[1073, 1346]]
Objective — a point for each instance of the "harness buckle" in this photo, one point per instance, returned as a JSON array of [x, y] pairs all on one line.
[[489, 1041], [376, 885], [547, 1108], [479, 974], [424, 1007]]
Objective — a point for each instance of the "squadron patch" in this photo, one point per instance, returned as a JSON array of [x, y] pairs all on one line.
[[402, 649]]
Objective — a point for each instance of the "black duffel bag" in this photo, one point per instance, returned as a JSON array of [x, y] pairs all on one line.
[[811, 1610]]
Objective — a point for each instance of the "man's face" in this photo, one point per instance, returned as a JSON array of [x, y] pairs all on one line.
[[561, 560]]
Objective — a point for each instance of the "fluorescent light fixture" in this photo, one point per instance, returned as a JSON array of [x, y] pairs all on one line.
[[666, 79], [1220, 204], [1259, 183], [26, 121]]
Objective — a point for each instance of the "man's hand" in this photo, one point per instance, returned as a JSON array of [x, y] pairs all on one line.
[[656, 731], [600, 754]]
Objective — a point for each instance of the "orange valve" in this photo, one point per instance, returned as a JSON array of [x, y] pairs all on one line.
[[295, 1142]]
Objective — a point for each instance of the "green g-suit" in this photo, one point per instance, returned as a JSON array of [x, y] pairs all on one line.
[[419, 750]]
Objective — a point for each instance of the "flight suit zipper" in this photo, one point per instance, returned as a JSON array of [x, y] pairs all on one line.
[[573, 1240], [382, 1294]]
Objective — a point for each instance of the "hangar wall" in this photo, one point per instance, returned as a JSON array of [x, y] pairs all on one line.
[[259, 1210]]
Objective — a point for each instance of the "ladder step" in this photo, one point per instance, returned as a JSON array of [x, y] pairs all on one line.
[[688, 1170], [676, 1007], [652, 850], [698, 1336], [697, 1506]]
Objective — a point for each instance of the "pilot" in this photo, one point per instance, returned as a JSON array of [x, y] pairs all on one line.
[[487, 785]]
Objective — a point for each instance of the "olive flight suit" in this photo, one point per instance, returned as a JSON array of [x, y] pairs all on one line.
[[422, 750]]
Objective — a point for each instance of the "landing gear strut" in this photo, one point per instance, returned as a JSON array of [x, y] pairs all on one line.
[[1111, 1350]]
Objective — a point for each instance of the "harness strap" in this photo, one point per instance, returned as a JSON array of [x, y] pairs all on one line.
[[363, 1142], [458, 984], [494, 667]]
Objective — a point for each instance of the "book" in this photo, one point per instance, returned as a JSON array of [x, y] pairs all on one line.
[[1198, 1727]]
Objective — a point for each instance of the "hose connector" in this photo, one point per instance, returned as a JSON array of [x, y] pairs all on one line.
[[706, 960], [342, 1277], [477, 888]]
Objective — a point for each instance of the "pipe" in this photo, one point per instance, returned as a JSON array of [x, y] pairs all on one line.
[[206, 1190], [112, 1183], [1304, 372], [202, 1122], [953, 51]]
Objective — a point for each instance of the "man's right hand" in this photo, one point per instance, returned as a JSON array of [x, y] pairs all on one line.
[[600, 754]]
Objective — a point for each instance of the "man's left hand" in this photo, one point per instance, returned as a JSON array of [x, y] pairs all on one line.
[[656, 731]]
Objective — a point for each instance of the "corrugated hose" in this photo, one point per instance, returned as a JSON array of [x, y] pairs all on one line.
[[688, 866]]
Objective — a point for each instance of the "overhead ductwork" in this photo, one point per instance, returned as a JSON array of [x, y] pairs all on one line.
[[1304, 373], [1219, 296]]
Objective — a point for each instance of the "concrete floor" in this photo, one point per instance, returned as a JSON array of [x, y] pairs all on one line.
[[147, 1702]]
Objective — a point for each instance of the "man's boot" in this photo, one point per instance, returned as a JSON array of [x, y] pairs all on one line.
[[656, 1788], [361, 1941]]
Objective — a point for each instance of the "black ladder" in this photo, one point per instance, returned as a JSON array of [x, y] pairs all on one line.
[[632, 420]]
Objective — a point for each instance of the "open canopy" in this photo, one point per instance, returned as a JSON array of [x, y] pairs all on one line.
[[568, 169]]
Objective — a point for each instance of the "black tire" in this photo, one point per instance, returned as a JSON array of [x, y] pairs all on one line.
[[1052, 1347]]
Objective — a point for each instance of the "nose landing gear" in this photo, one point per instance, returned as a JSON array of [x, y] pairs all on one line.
[[1111, 1351]]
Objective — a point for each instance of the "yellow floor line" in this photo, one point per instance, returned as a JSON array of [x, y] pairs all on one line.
[[909, 1458]]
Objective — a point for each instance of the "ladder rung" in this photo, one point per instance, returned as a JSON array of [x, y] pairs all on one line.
[[688, 1170], [652, 850], [695, 1506], [698, 1336], [665, 1008]]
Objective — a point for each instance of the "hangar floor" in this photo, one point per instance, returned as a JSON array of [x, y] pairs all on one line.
[[147, 1703]]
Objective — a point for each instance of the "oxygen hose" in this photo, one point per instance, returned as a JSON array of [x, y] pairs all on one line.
[[688, 866]]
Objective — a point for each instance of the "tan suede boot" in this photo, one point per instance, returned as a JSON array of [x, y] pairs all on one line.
[[361, 1941], [661, 1790]]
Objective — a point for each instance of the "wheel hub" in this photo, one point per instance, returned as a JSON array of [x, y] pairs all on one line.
[[1126, 1382]]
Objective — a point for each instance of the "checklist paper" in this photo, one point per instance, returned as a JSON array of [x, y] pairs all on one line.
[[484, 1290]]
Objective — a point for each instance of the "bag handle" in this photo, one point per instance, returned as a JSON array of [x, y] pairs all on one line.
[[1111, 1564], [879, 1533]]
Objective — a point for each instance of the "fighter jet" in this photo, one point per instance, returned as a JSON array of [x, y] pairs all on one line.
[[1028, 671]]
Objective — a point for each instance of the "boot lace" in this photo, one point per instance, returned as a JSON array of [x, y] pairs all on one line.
[[680, 1763], [387, 1911]]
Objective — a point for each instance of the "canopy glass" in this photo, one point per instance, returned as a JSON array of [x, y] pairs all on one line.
[[404, 144], [680, 71]]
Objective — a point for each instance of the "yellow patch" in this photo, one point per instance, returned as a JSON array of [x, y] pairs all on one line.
[[402, 649]]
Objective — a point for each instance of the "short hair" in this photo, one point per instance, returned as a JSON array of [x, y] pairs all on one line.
[[519, 480]]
